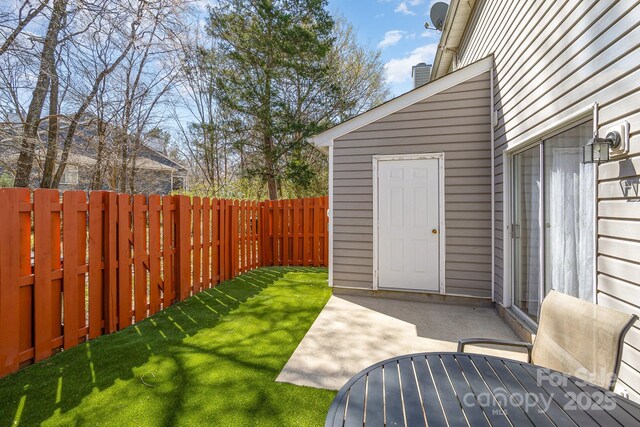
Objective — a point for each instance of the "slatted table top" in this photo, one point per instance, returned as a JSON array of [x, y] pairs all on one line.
[[462, 389]]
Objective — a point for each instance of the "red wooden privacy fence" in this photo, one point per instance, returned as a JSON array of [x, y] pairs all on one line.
[[77, 267]]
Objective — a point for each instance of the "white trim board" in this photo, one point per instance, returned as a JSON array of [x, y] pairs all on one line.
[[327, 137], [441, 217], [330, 214]]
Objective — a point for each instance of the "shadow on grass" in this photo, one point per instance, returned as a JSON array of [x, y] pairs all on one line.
[[212, 358]]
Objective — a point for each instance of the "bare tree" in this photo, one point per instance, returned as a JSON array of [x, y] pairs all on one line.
[[106, 68], [201, 123], [12, 24], [32, 120], [142, 84]]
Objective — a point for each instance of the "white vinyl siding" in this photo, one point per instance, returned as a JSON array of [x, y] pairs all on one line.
[[554, 59]]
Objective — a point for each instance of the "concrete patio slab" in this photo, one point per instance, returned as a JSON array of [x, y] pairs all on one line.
[[353, 332]]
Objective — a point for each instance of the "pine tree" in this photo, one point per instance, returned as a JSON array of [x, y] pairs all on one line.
[[276, 76]]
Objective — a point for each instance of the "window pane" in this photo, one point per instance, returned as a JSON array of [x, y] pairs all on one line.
[[569, 214], [526, 231]]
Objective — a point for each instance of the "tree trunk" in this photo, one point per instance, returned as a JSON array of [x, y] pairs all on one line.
[[52, 133], [96, 176], [47, 61], [272, 183]]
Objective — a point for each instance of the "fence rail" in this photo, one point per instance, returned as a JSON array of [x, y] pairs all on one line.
[[75, 267]]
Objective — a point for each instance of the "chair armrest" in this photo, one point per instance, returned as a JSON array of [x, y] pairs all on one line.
[[467, 341]]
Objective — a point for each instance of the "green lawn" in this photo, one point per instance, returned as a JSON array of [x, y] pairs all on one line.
[[209, 360]]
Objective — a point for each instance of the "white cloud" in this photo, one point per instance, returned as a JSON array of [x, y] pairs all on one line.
[[398, 70], [404, 9], [391, 38]]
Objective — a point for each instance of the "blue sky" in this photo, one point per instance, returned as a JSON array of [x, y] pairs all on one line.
[[397, 28]]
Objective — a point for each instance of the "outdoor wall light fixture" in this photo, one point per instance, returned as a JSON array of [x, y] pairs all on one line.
[[597, 149]]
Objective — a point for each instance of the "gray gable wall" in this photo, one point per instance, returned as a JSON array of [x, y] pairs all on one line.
[[456, 122]]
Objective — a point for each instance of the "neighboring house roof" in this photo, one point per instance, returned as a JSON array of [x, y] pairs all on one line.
[[455, 23], [326, 138], [160, 158], [83, 151]]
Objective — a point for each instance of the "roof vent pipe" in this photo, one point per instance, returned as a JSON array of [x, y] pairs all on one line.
[[420, 74]]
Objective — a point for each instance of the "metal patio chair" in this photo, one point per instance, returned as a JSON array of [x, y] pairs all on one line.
[[575, 337]]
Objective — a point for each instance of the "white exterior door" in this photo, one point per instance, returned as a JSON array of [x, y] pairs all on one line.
[[408, 224]]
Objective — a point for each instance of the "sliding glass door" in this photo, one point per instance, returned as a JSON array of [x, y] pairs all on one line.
[[553, 220], [569, 211]]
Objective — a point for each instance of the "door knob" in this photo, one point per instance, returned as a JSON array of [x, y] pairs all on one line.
[[434, 231]]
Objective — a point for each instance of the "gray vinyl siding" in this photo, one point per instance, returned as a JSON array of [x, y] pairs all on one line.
[[456, 122], [552, 59]]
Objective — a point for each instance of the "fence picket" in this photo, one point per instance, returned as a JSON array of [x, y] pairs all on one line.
[[206, 243], [316, 232], [197, 244], [43, 228], [155, 254], [183, 247], [111, 262], [234, 239], [140, 262], [168, 250], [10, 222], [96, 276], [124, 261], [74, 253], [215, 242], [325, 225]]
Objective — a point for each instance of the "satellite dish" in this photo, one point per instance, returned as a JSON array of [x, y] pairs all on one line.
[[438, 14]]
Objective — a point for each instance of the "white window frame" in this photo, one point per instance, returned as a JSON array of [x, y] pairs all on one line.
[[536, 139], [184, 181], [70, 169], [441, 219]]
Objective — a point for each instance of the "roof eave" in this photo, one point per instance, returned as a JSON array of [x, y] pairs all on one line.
[[325, 139], [456, 23]]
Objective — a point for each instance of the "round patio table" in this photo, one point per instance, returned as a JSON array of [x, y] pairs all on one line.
[[462, 389]]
